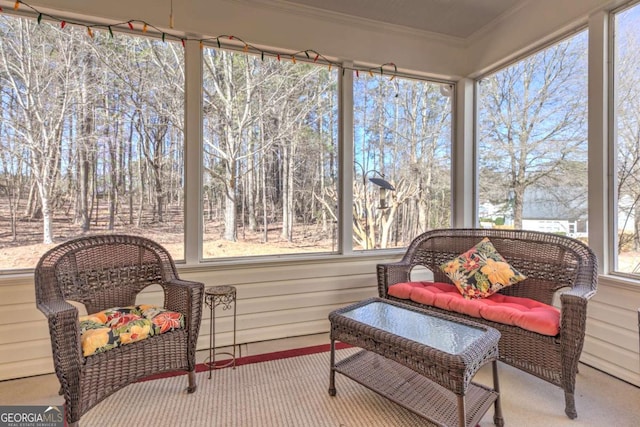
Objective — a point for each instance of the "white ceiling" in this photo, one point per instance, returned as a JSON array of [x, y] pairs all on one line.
[[455, 18]]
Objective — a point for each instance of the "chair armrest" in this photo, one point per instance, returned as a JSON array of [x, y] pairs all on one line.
[[392, 273], [573, 314], [582, 292], [185, 297], [64, 329]]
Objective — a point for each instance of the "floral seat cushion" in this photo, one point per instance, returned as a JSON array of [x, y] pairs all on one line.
[[118, 326]]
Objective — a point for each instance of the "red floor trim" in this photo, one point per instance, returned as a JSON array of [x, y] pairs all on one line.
[[200, 367]]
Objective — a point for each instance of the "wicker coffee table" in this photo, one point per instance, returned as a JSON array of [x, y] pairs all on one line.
[[422, 361]]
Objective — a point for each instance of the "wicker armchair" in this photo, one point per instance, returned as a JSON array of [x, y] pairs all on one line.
[[103, 272], [552, 264]]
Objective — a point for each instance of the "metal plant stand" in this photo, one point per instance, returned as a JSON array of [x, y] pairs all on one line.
[[226, 297]]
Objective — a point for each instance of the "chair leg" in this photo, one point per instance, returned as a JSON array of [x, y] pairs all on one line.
[[68, 414], [192, 381], [570, 406], [568, 384]]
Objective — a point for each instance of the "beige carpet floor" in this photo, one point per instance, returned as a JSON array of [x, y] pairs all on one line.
[[293, 392]]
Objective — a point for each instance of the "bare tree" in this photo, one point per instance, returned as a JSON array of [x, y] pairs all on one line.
[[628, 137], [84, 73], [228, 95], [532, 121], [12, 176], [42, 91], [404, 133], [255, 118]]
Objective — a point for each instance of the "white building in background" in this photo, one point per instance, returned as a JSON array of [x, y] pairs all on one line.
[[557, 210], [561, 226]]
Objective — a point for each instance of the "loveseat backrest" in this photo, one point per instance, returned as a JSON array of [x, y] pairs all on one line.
[[102, 271], [550, 262]]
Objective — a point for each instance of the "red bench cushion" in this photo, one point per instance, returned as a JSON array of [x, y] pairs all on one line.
[[525, 313]]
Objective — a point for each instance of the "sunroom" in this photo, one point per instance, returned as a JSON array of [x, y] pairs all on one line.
[[287, 147]]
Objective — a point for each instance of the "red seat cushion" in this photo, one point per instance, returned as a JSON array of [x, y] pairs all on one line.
[[525, 313]]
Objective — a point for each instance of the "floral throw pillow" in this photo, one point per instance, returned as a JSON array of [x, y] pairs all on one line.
[[481, 271], [118, 326]]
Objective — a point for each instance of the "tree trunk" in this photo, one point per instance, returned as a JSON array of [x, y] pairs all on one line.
[[113, 184], [130, 173], [86, 129], [230, 221], [263, 183], [47, 231], [83, 186]]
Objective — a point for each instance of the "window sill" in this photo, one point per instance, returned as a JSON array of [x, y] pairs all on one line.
[[619, 281], [289, 260]]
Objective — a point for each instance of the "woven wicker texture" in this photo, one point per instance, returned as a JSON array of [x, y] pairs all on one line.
[[103, 272], [432, 382], [409, 389], [552, 263]]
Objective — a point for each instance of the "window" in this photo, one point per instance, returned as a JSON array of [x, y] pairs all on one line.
[[626, 75], [402, 160], [532, 142], [270, 156], [92, 141], [91, 138]]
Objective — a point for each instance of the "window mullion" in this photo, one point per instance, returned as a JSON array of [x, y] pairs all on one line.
[[193, 153], [346, 160]]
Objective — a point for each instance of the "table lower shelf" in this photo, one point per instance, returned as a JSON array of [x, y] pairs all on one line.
[[414, 391]]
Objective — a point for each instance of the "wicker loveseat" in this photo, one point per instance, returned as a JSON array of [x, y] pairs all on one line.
[[552, 263], [103, 272]]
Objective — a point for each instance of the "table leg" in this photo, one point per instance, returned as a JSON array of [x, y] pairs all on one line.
[[497, 414], [462, 413], [212, 339], [332, 371], [235, 306]]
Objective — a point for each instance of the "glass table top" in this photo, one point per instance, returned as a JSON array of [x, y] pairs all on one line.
[[435, 332]]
